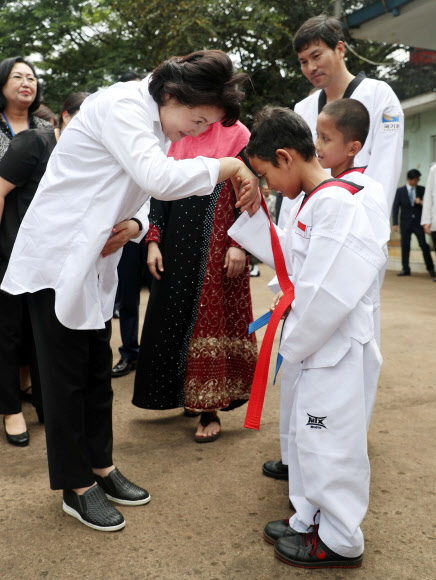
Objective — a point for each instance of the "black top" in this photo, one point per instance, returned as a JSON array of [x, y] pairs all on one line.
[[23, 164]]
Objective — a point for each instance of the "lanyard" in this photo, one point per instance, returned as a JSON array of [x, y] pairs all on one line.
[[9, 125]]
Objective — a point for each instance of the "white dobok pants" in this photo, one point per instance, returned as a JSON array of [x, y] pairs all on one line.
[[327, 445]]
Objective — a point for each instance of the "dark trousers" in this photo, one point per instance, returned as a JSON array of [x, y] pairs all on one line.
[[406, 234], [130, 271], [75, 371], [16, 349]]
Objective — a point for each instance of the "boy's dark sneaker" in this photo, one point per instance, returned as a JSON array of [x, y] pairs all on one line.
[[309, 551], [275, 469], [93, 509], [120, 490], [277, 529]]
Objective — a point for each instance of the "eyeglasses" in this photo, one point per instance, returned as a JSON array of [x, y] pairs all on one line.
[[19, 79]]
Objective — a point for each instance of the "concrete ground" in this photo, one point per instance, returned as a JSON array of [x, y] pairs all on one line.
[[210, 502]]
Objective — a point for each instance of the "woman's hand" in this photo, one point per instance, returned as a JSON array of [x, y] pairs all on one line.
[[121, 234], [246, 186], [245, 183], [427, 228], [235, 261], [154, 260]]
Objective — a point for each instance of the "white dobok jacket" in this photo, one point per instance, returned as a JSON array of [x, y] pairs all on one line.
[[108, 162], [333, 259], [429, 204]]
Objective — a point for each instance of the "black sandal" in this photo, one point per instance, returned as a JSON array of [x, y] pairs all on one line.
[[206, 418], [26, 394]]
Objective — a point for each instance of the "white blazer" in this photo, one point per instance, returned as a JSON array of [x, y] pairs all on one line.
[[108, 162]]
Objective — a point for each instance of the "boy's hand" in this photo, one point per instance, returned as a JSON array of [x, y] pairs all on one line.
[[276, 300]]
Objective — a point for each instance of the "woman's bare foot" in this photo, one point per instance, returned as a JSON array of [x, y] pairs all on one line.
[[209, 427], [15, 424]]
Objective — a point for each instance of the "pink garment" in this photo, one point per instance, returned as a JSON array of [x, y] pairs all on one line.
[[216, 142]]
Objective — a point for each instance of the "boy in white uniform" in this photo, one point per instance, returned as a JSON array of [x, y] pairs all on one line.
[[333, 259]]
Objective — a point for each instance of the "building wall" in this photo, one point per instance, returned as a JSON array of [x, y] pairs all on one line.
[[420, 133], [419, 153]]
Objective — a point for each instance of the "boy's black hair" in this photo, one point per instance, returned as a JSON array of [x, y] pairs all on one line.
[[322, 27], [351, 118], [276, 128], [413, 174]]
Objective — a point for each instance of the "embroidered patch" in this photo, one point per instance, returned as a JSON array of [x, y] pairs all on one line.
[[303, 230], [316, 422], [390, 123]]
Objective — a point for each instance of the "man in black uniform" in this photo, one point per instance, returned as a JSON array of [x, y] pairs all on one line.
[[409, 198]]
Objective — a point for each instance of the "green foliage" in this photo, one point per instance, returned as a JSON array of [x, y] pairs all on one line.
[[86, 44]]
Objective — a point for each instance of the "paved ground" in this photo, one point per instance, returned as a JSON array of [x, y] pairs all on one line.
[[210, 502]]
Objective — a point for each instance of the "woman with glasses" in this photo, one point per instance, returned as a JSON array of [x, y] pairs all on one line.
[[20, 96]]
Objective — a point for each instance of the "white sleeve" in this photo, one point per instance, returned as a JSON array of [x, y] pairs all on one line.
[[142, 216], [428, 203], [339, 268], [386, 154], [128, 135]]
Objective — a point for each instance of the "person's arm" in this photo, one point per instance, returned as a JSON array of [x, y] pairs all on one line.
[[5, 188], [428, 204], [128, 136], [386, 151], [342, 262], [395, 210]]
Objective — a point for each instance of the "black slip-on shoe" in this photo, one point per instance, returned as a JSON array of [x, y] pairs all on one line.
[[404, 273], [309, 551], [277, 529], [123, 367], [275, 469], [120, 490], [20, 440], [93, 509]]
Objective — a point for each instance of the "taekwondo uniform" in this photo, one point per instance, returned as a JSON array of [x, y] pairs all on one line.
[[383, 149], [333, 259], [374, 201], [108, 162]]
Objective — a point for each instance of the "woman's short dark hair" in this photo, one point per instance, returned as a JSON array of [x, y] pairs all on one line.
[[276, 128], [44, 112], [6, 66], [350, 117], [129, 75], [72, 104], [322, 27], [202, 78]]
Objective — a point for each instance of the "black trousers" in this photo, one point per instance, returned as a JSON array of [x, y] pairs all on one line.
[[406, 234], [130, 272], [75, 371], [16, 349]]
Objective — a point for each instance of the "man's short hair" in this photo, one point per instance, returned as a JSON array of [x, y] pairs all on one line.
[[350, 117], [322, 27], [276, 128], [413, 174]]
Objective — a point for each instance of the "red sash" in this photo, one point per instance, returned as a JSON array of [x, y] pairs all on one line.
[[257, 395]]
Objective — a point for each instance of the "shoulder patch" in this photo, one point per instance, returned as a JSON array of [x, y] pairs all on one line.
[[390, 121]]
